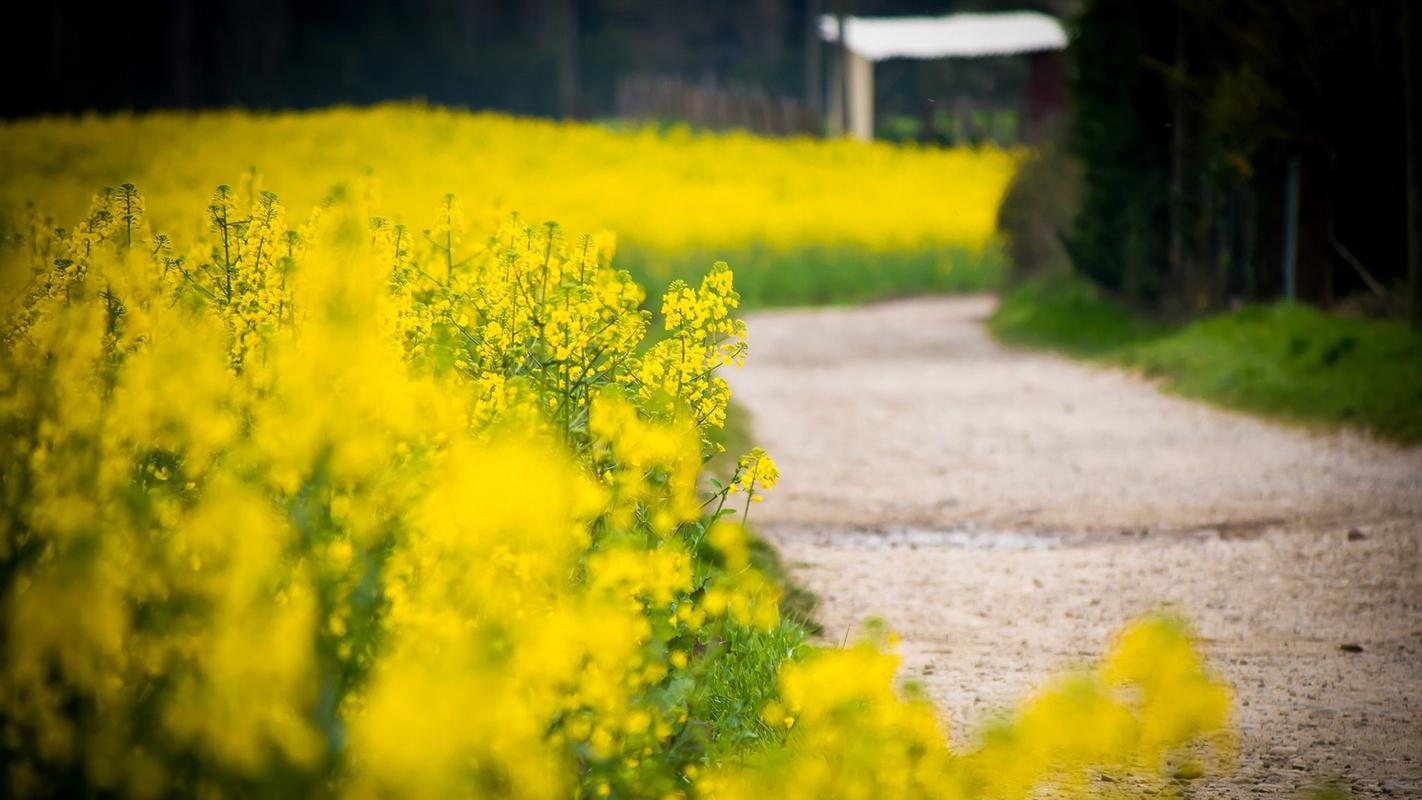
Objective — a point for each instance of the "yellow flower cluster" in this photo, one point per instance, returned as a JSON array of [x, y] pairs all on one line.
[[668, 193], [346, 507], [1144, 713], [351, 507], [756, 474], [739, 589], [703, 336]]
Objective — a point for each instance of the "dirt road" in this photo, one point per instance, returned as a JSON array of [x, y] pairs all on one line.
[[1006, 511]]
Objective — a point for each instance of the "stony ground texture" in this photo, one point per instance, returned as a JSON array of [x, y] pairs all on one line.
[[1006, 511]]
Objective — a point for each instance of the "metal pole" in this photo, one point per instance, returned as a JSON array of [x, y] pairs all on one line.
[[1411, 77], [814, 75], [1291, 229]]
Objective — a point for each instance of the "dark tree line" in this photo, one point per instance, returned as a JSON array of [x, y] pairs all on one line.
[[545, 57], [1224, 140]]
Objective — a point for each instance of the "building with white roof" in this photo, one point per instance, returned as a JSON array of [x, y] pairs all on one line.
[[871, 39]]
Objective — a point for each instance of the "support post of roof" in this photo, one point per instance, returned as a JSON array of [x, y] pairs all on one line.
[[861, 97]]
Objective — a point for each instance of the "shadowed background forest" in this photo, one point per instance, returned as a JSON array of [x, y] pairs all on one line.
[[1205, 131], [546, 57]]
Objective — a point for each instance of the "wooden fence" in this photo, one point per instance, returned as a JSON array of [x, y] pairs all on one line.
[[649, 97]]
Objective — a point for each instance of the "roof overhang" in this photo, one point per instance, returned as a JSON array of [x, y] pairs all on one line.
[[951, 36]]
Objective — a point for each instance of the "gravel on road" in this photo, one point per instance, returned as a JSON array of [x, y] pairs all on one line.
[[1005, 511]]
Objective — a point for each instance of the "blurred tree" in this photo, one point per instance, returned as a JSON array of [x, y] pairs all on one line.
[[1412, 84], [550, 57], [1119, 131], [1191, 115]]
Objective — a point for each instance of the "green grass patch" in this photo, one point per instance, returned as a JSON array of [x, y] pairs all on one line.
[[738, 676], [797, 603], [822, 275], [1286, 361], [737, 672], [1070, 315], [734, 690]]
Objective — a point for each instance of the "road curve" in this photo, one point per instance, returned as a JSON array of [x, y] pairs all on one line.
[[1007, 510]]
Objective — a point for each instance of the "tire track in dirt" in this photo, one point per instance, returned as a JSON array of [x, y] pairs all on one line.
[[1006, 511]]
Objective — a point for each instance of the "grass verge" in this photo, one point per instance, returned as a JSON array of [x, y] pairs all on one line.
[[733, 691], [823, 275], [1284, 361], [796, 603]]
